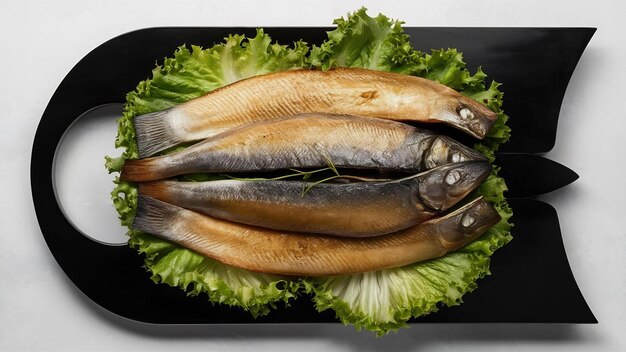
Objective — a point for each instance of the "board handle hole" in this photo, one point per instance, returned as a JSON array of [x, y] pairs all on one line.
[[82, 185]]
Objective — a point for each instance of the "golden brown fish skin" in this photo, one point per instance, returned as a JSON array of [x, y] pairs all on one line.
[[360, 209], [290, 253], [342, 91], [308, 141]]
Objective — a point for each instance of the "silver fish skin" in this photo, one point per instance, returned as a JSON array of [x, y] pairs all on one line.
[[301, 254], [358, 209], [308, 141], [353, 91]]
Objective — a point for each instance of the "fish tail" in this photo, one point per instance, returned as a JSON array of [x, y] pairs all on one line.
[[154, 133], [154, 216], [142, 170]]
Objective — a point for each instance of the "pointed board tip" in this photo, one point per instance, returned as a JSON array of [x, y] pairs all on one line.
[[529, 175]]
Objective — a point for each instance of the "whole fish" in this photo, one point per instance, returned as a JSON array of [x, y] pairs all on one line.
[[358, 209], [308, 141], [342, 91], [293, 253]]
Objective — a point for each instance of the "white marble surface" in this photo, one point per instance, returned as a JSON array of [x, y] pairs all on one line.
[[40, 309]]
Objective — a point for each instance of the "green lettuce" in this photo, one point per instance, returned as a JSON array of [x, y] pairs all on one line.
[[374, 43], [379, 301]]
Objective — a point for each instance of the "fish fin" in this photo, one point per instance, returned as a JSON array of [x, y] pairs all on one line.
[[154, 216], [138, 170], [154, 133]]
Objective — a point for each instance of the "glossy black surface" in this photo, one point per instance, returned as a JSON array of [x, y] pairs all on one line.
[[531, 279], [530, 175], [534, 66]]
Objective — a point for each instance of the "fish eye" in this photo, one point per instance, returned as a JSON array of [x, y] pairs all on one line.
[[466, 114], [471, 220], [468, 220], [452, 177]]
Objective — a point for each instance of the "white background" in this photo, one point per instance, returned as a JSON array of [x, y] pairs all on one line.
[[40, 309]]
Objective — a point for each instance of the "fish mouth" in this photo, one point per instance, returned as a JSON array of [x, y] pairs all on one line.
[[445, 150], [443, 187], [477, 118], [469, 116], [468, 222]]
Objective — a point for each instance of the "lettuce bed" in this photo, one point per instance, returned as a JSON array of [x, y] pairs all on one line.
[[379, 301]]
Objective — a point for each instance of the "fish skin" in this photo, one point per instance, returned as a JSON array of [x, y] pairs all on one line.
[[308, 141], [291, 253], [341, 91], [360, 209]]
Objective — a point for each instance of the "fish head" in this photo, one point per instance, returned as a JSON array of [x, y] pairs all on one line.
[[467, 115], [467, 223], [445, 150], [444, 186]]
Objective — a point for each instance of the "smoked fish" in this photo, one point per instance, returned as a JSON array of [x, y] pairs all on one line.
[[341, 91], [308, 141], [292, 253], [359, 209]]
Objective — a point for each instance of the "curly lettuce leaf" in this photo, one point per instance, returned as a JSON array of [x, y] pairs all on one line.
[[383, 301], [191, 73], [377, 43]]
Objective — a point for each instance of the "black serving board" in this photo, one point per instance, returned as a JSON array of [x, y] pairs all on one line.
[[531, 279]]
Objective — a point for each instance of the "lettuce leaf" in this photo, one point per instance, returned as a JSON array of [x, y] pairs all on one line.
[[379, 301], [361, 41], [190, 74]]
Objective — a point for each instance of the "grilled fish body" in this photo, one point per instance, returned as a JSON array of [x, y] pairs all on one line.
[[290, 253], [353, 91], [308, 141], [353, 210]]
